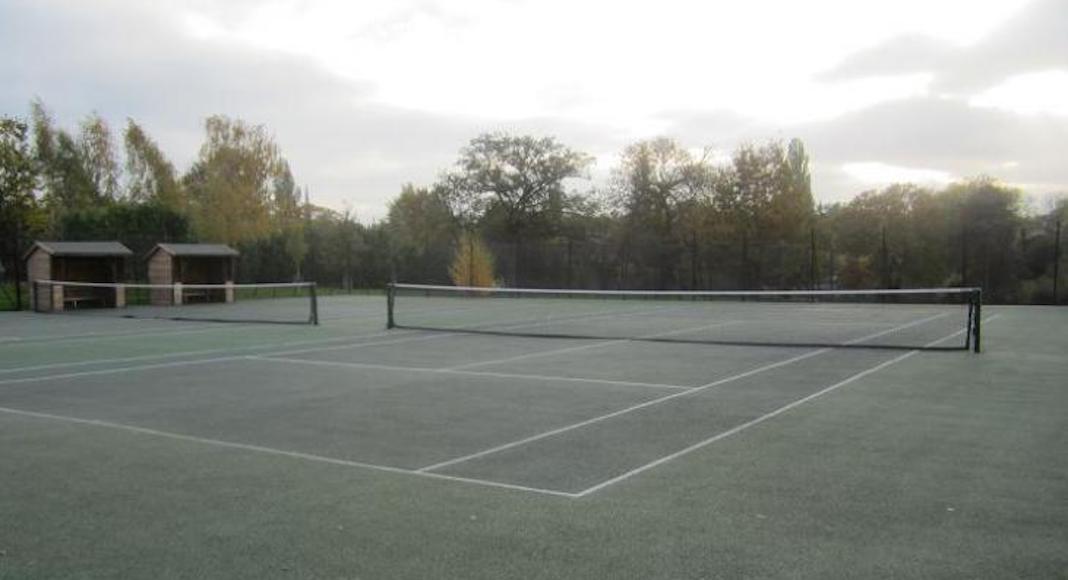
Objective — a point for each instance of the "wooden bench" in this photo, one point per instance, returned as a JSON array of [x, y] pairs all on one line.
[[76, 297]]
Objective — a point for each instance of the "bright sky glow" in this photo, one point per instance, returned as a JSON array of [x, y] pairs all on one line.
[[601, 61], [876, 173], [1044, 92]]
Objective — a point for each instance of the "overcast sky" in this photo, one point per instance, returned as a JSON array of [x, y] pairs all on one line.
[[364, 96]]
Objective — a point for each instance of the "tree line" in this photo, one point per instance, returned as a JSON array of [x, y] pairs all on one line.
[[522, 210]]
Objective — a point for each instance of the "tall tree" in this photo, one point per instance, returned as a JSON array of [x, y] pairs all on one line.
[[18, 207], [520, 176], [99, 157], [18, 176], [880, 233], [792, 207], [230, 186], [288, 215], [768, 190], [659, 188], [657, 182], [348, 245], [423, 230], [150, 176], [60, 164], [991, 217], [513, 182]]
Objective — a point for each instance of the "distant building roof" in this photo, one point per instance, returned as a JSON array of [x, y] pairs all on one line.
[[82, 249], [197, 250]]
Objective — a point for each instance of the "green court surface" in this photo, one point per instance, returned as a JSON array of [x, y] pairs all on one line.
[[160, 449]]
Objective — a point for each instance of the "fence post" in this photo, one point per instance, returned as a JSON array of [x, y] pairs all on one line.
[[569, 264], [745, 260], [813, 274], [693, 263], [886, 261], [18, 275], [963, 255], [471, 259], [1056, 261], [831, 265]]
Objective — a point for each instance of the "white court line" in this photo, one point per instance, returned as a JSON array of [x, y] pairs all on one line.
[[383, 315], [178, 331], [449, 371], [766, 416], [442, 334], [408, 338], [463, 331], [34, 341], [240, 349], [114, 371], [243, 349], [607, 416], [588, 346], [277, 452], [652, 402], [330, 460], [589, 315]]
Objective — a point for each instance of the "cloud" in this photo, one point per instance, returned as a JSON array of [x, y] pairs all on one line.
[[923, 139], [945, 136], [878, 173], [364, 104], [1033, 40], [901, 55], [1032, 93], [940, 133]]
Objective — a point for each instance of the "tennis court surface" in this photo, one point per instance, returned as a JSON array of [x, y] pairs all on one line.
[[554, 437]]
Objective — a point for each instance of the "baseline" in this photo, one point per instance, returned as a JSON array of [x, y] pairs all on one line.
[[276, 452]]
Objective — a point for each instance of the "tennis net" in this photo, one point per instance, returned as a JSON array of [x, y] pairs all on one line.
[[288, 303], [928, 319]]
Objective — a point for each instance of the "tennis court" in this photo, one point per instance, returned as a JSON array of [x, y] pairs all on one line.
[[552, 437]]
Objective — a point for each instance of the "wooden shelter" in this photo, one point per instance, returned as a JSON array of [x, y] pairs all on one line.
[[76, 262], [182, 264]]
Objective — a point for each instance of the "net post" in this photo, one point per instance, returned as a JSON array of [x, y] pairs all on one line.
[[971, 317], [314, 304], [391, 291], [977, 300]]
